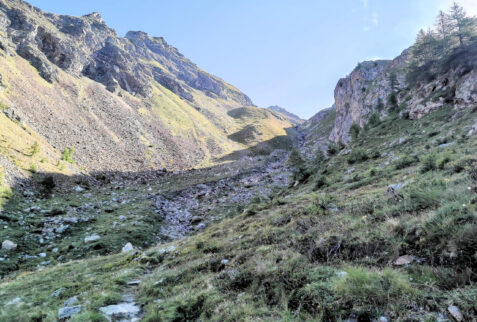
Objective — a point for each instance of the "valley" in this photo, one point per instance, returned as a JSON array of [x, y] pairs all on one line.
[[135, 186]]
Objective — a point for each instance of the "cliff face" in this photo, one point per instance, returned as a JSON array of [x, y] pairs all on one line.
[[123, 104], [358, 95], [368, 88]]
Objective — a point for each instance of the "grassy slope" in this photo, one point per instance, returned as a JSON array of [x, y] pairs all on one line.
[[286, 256]]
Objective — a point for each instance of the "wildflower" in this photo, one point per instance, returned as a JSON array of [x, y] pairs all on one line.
[[446, 180]]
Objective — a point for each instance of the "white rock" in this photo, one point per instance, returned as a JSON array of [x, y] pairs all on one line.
[[78, 189], [127, 248], [121, 311], [224, 261], [404, 260], [9, 245], [92, 238], [42, 255], [454, 311]]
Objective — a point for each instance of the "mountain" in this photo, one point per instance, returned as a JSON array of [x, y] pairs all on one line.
[[372, 216], [122, 103], [294, 119]]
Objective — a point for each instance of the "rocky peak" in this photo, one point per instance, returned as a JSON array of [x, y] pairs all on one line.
[[95, 16]]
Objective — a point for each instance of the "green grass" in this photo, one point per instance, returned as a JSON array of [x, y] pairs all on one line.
[[282, 257]]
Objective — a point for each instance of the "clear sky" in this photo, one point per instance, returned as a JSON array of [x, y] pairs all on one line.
[[279, 52]]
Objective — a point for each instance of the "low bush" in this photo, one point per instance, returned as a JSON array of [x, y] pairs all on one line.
[[361, 286], [357, 155], [405, 161], [429, 163], [67, 155]]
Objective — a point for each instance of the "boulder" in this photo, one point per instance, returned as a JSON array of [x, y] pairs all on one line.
[[67, 312], [456, 314], [9, 245]]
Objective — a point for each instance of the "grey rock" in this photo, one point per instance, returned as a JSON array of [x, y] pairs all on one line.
[[78, 189], [92, 238], [9, 245], [58, 292], [200, 226], [134, 283], [404, 260], [14, 301], [71, 301], [455, 312], [445, 145], [127, 248], [67, 312], [122, 311]]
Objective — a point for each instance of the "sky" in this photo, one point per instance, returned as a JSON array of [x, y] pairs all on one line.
[[289, 53]]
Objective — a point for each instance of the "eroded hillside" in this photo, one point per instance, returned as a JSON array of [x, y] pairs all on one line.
[[122, 104]]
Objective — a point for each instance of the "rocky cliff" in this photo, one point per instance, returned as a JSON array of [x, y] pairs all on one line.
[[123, 103], [359, 94], [383, 86]]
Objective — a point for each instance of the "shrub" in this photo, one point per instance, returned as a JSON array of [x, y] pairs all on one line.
[[67, 155], [374, 120], [392, 100], [357, 155], [332, 149], [364, 287], [47, 185], [354, 130], [300, 170], [424, 198], [442, 162], [429, 163], [405, 161], [35, 149], [375, 154], [373, 172], [320, 182], [319, 160]]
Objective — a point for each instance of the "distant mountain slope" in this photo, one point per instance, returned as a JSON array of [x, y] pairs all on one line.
[[122, 103], [293, 118]]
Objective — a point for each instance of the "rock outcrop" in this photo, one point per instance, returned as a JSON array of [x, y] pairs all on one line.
[[369, 87], [359, 94]]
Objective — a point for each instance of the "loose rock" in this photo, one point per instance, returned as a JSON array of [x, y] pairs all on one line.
[[9, 245], [67, 312], [456, 314]]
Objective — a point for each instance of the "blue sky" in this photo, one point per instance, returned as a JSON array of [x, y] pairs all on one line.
[[279, 52]]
